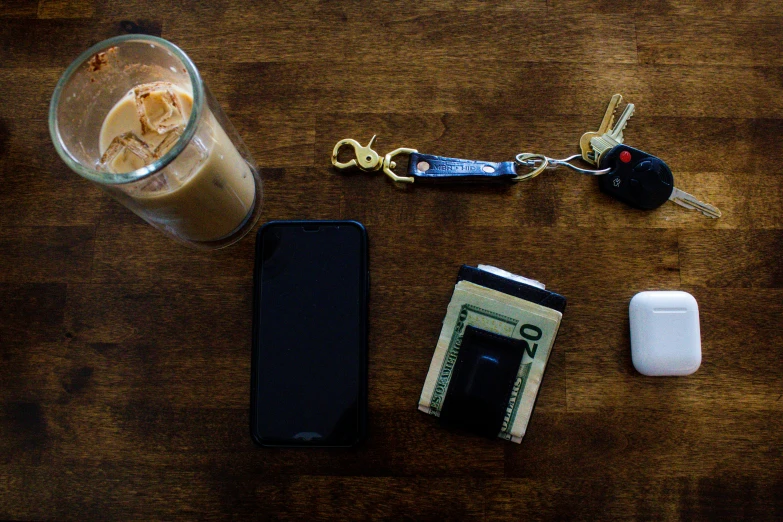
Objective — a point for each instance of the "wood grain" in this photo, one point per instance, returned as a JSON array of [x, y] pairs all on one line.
[[124, 382]]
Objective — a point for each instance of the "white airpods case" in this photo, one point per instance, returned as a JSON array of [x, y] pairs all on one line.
[[665, 334]]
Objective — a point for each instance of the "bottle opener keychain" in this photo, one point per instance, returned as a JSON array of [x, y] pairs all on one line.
[[630, 175]]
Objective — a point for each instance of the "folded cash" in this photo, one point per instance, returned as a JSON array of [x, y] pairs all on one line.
[[492, 352]]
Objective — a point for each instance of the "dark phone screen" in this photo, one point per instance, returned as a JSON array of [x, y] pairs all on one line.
[[310, 334]]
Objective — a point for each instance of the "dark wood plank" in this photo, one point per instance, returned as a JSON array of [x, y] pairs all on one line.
[[640, 258], [453, 34], [722, 41], [19, 9], [676, 445], [46, 254], [31, 313], [700, 144], [703, 9], [29, 172], [76, 35], [739, 259], [212, 493], [275, 140], [33, 88], [462, 86], [66, 9], [227, 12], [72, 200], [135, 252], [82, 430]]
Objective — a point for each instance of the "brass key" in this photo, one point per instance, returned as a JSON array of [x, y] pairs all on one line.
[[614, 137], [588, 154]]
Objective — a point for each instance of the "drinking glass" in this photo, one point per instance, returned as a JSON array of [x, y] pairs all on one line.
[[205, 190]]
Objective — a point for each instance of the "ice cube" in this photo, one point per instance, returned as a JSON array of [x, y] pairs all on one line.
[[158, 107], [189, 160], [126, 153], [153, 184], [170, 138]]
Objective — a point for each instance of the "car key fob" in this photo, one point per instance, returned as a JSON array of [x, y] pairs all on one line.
[[637, 178]]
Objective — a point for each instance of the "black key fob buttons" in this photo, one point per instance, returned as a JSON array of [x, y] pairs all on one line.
[[637, 178]]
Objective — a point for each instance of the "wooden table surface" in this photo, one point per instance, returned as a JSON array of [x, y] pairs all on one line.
[[125, 375]]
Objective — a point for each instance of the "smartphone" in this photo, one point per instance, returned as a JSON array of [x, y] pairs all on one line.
[[309, 356]]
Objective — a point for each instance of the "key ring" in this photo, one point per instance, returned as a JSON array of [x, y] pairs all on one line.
[[526, 159]]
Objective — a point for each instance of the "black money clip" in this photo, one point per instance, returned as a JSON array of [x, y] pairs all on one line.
[[487, 364]]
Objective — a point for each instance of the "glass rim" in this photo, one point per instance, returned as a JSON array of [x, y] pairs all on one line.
[[110, 178]]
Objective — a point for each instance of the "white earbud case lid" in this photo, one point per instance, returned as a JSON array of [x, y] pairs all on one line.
[[665, 334]]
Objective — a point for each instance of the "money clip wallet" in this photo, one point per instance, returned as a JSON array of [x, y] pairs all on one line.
[[481, 382], [492, 352]]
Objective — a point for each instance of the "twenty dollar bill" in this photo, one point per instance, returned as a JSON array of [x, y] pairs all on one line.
[[535, 325]]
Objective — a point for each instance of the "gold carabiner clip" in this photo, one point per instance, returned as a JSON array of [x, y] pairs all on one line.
[[368, 160]]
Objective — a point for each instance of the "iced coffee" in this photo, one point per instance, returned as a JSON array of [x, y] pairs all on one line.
[[207, 193], [133, 115]]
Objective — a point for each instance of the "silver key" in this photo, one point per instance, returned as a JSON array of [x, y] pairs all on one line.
[[688, 201], [614, 137], [617, 130]]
